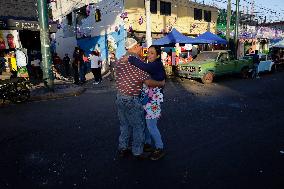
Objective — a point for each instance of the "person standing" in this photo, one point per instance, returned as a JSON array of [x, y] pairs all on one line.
[[112, 61], [95, 66], [256, 61], [35, 63], [66, 63], [75, 64], [129, 80], [82, 66], [2, 62]]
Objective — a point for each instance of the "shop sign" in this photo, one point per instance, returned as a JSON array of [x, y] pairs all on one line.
[[3, 24], [28, 25]]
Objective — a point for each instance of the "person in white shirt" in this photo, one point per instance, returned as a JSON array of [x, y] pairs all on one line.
[[96, 64], [37, 72]]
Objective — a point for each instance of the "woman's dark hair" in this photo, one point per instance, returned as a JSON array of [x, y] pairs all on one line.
[[158, 51]]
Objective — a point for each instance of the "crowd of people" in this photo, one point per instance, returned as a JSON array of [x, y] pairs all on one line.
[[18, 64]]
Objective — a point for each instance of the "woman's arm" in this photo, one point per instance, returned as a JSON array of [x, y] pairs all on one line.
[[141, 65]]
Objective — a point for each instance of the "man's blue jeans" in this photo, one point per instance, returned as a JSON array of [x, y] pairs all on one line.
[[132, 121], [152, 132]]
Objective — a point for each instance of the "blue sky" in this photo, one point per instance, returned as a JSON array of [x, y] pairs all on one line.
[[275, 5]]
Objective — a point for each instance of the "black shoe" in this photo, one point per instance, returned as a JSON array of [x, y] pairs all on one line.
[[141, 157], [148, 148], [157, 154], [124, 153]]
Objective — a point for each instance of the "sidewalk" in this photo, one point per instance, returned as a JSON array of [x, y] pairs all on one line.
[[63, 88]]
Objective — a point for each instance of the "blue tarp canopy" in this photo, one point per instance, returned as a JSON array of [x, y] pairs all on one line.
[[173, 37], [209, 37]]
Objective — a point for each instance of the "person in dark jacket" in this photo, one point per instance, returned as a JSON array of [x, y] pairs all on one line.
[[75, 64], [256, 61]]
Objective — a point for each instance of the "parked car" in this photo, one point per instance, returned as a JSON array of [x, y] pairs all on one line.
[[209, 64]]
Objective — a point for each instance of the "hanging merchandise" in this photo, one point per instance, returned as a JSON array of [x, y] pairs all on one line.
[[140, 20], [124, 15], [98, 15], [130, 28]]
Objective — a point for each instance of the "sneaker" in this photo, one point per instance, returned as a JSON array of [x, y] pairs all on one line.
[[142, 156], [96, 83], [157, 154], [148, 148], [124, 153]]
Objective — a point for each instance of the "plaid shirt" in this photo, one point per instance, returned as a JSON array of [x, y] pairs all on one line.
[[129, 79]]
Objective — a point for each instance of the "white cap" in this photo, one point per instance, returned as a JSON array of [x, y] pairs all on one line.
[[130, 42]]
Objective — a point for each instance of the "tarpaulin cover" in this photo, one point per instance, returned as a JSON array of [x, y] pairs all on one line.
[[173, 37], [211, 38]]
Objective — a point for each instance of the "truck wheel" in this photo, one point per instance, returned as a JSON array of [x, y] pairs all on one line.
[[245, 73], [207, 78]]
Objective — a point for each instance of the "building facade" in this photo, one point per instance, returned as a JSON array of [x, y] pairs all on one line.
[[19, 25], [275, 25], [188, 17], [104, 24]]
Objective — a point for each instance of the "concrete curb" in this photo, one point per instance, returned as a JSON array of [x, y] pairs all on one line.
[[52, 96]]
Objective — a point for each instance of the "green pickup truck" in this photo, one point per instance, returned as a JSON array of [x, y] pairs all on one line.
[[209, 64]]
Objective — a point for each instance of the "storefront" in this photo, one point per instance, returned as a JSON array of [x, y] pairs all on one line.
[[20, 34]]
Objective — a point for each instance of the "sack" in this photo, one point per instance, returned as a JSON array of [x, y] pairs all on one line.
[[22, 72]]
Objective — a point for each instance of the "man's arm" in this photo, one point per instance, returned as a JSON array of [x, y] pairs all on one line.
[[154, 83]]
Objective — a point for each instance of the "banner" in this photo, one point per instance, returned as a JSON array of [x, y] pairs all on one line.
[[9, 39]]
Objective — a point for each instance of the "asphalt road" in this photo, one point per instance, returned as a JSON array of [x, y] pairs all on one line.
[[225, 135]]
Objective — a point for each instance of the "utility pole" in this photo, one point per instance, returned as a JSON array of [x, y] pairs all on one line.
[[237, 27], [148, 24], [45, 44], [228, 20]]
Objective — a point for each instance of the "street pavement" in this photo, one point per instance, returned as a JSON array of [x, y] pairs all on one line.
[[228, 134]]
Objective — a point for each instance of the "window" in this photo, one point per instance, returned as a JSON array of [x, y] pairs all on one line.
[[69, 18], [223, 57], [207, 16], [197, 14], [153, 6], [165, 8], [83, 12]]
